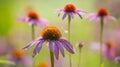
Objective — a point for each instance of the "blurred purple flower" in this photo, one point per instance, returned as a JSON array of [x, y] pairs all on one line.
[[19, 58], [53, 36], [70, 9], [102, 12], [33, 19]]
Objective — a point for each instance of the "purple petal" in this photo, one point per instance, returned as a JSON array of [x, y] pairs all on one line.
[[72, 15], [56, 51], [32, 43], [79, 15], [38, 47], [67, 45], [64, 16], [60, 47], [51, 46]]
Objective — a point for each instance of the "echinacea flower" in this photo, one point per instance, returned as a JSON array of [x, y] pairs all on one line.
[[52, 35], [70, 10], [19, 58], [101, 13], [33, 18]]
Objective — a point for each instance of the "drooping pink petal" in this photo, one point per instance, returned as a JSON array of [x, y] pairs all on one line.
[[42, 23], [23, 19], [80, 11], [59, 10], [106, 18], [93, 17]]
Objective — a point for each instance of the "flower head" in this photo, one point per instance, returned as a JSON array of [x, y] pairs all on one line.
[[18, 56], [33, 18], [70, 10], [80, 44], [42, 64], [51, 35], [101, 13]]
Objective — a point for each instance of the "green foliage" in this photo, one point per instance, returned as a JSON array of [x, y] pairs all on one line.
[[5, 19]]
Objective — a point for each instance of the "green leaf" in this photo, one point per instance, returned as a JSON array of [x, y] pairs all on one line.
[[3, 61]]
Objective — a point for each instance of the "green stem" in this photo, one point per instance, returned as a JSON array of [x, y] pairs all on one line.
[[33, 37], [52, 59], [117, 65], [101, 40], [33, 32], [69, 20], [79, 57]]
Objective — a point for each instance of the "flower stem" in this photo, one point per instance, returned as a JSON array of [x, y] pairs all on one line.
[[33, 32], [52, 59], [79, 57], [33, 37], [101, 41], [69, 20], [117, 65]]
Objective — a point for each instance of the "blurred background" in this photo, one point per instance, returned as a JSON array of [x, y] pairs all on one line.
[[14, 35]]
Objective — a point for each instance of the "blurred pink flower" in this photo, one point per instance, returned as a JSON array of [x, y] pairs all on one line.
[[33, 19], [108, 49], [102, 12], [70, 9]]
